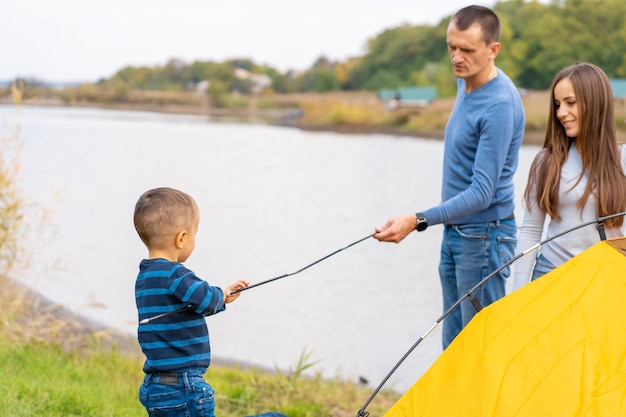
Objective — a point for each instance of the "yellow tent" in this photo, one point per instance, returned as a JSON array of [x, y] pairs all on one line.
[[555, 347]]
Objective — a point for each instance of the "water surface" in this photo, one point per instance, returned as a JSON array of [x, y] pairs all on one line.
[[272, 200]]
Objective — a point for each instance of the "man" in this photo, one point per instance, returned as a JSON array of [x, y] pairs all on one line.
[[482, 140]]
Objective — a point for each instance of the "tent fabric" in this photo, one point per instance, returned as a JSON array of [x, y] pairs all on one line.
[[555, 347]]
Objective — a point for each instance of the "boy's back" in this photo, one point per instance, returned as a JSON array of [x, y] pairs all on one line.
[[181, 340]]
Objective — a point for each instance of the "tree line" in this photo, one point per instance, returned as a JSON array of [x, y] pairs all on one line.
[[537, 40]]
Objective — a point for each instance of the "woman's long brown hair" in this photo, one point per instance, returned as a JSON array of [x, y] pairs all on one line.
[[596, 143]]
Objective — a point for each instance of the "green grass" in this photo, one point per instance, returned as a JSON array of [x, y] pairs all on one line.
[[42, 378]]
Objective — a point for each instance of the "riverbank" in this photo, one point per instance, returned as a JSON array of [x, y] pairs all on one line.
[[31, 317], [34, 318], [347, 112], [342, 112], [96, 370]]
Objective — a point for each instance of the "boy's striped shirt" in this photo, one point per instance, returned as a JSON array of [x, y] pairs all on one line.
[[181, 340]]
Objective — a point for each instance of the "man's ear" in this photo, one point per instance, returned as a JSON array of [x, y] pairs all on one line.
[[495, 49], [180, 239]]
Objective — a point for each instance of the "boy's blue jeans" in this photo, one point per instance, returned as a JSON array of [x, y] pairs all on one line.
[[187, 394], [180, 394], [470, 253]]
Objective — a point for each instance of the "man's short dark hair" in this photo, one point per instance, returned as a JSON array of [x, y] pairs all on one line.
[[484, 16]]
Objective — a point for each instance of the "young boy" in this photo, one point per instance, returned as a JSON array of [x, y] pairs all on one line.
[[176, 345]]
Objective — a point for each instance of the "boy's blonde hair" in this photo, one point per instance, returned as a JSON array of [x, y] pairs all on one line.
[[161, 213]]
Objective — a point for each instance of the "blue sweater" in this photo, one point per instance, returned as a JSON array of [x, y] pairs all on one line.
[[181, 340], [481, 144]]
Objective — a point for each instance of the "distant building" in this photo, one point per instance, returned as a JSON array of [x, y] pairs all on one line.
[[259, 82], [202, 87], [619, 87], [408, 96], [416, 96], [385, 95]]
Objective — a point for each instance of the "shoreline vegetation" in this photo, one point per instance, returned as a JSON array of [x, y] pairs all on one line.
[[343, 112]]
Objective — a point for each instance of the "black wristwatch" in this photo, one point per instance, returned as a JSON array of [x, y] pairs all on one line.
[[422, 223]]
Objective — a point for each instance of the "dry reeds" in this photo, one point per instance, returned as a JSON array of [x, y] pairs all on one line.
[[30, 318], [26, 316]]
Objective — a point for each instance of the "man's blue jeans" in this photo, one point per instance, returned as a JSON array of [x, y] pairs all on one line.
[[190, 396], [469, 253]]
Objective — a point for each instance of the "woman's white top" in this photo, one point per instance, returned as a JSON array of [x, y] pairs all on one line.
[[563, 248]]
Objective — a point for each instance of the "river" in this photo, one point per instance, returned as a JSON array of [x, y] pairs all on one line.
[[272, 200]]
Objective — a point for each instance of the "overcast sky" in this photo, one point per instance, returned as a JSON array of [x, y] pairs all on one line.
[[84, 40]]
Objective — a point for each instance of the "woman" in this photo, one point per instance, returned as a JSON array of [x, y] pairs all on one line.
[[577, 176]]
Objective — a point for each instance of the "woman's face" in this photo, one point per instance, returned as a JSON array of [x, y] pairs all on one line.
[[567, 107]]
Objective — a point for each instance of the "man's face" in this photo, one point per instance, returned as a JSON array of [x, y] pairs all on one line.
[[469, 54]]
